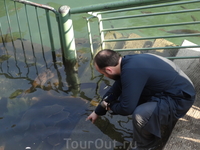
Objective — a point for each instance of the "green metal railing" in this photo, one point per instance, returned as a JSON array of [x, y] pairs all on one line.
[[62, 26], [31, 32], [104, 13], [28, 39], [189, 32]]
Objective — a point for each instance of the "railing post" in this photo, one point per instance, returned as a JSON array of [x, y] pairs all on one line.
[[68, 47], [100, 29]]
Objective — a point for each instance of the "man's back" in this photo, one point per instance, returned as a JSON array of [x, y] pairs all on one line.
[[145, 77], [160, 74]]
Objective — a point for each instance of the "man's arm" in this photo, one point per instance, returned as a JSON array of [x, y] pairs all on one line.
[[102, 108], [93, 116], [133, 82], [110, 97]]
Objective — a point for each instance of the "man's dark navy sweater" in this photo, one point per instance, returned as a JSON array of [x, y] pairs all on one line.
[[148, 77]]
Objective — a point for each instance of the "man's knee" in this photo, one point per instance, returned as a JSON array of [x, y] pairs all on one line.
[[142, 113]]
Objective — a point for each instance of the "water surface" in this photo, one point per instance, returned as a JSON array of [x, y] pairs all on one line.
[[43, 105]]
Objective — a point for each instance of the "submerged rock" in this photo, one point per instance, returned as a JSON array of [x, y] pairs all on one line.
[[47, 122], [41, 80]]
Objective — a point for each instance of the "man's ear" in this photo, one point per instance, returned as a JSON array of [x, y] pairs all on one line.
[[108, 70]]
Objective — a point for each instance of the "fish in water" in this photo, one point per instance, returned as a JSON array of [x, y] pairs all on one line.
[[181, 31], [4, 58], [146, 12], [40, 80], [193, 18], [183, 7], [9, 37], [16, 93]]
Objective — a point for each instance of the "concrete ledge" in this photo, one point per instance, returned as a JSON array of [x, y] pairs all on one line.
[[190, 66], [186, 134]]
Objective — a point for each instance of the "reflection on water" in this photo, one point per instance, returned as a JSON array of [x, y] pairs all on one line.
[[41, 109]]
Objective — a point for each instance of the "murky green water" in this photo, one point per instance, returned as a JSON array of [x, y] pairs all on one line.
[[40, 107]]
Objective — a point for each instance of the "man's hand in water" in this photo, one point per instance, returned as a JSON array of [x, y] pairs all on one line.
[[93, 116]]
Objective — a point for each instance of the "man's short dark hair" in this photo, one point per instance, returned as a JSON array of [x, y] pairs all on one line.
[[106, 58]]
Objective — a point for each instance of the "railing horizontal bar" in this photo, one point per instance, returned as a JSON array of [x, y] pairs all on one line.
[[157, 37], [115, 5], [36, 5], [187, 57], [155, 48], [151, 14], [151, 26], [151, 6]]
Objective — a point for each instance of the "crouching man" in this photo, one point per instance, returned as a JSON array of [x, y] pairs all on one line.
[[150, 88]]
